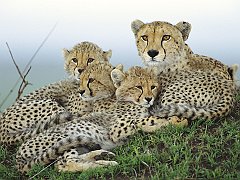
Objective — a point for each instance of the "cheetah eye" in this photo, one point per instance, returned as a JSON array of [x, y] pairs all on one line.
[[144, 38], [74, 60], [166, 37], [139, 87], [90, 60], [153, 87], [90, 80]]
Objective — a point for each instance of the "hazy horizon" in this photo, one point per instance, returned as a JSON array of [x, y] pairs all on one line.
[[24, 25]]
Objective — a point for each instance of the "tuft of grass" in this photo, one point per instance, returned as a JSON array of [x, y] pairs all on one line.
[[205, 149], [7, 164]]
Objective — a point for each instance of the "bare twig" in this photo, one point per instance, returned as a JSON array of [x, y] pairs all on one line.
[[24, 82], [27, 66], [19, 72]]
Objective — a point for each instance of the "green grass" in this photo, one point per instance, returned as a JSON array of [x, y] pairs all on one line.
[[205, 149]]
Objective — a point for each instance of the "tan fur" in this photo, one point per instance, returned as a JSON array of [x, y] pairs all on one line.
[[137, 85], [185, 94], [163, 44], [82, 55], [109, 122], [96, 82], [51, 104]]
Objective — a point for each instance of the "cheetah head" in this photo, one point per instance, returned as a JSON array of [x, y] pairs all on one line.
[[96, 82], [160, 43], [137, 85], [81, 55]]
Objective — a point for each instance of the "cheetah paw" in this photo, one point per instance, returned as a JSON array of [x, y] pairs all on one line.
[[84, 162], [178, 121]]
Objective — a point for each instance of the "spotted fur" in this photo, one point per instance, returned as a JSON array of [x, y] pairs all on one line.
[[81, 55], [163, 45], [107, 126]]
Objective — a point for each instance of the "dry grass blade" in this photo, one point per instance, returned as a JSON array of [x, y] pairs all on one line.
[[43, 169]]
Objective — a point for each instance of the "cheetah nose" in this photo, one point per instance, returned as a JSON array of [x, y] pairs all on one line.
[[82, 92], [152, 53], [80, 71], [148, 99]]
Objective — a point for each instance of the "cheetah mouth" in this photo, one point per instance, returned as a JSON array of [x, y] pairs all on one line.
[[152, 59], [147, 105], [156, 59]]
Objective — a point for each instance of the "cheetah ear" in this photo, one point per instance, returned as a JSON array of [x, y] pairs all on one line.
[[117, 77], [233, 71], [120, 67], [107, 54], [65, 53], [184, 28], [136, 25]]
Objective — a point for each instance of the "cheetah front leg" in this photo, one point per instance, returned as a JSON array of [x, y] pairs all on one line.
[[73, 162], [152, 123], [121, 130]]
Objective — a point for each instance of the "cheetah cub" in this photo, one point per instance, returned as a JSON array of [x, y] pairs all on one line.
[[185, 94], [163, 44], [76, 60], [81, 55], [111, 121], [54, 103]]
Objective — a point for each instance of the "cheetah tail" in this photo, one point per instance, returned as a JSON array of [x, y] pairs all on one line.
[[52, 153]]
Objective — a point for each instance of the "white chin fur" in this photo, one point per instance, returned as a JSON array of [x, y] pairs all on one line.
[[146, 105], [152, 63], [77, 76], [84, 98]]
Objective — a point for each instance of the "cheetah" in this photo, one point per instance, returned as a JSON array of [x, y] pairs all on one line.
[[25, 119], [75, 143], [162, 44], [185, 94], [54, 103], [81, 55], [76, 60], [109, 124]]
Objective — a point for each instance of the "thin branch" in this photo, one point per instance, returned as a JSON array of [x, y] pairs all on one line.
[[23, 84], [19, 72], [27, 66]]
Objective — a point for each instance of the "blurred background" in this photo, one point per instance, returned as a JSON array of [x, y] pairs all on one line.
[[26, 23]]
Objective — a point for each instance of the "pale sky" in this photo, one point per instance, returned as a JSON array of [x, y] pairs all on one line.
[[25, 23]]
